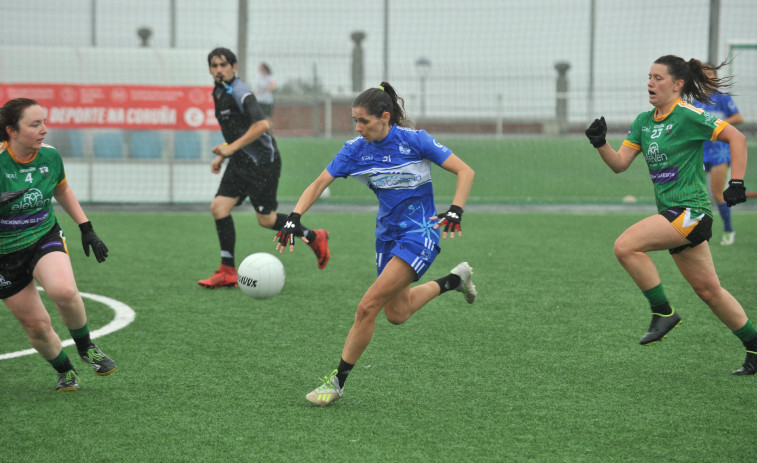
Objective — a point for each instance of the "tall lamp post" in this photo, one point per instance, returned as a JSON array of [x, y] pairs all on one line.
[[423, 69]]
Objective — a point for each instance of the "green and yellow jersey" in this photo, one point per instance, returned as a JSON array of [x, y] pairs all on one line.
[[672, 145], [24, 221]]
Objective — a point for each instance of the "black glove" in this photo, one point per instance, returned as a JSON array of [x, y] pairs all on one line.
[[451, 219], [290, 229], [8, 197], [735, 193], [90, 238], [596, 132]]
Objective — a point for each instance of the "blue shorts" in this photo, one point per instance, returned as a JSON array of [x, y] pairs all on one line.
[[716, 153], [419, 254]]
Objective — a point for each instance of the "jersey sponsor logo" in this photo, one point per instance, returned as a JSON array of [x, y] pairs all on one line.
[[666, 175], [653, 154], [395, 179], [28, 169], [32, 199]]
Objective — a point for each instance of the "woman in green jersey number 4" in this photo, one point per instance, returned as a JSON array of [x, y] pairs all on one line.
[[670, 137], [32, 245]]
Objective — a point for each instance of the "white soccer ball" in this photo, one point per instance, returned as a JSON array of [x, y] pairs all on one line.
[[261, 275], [326, 193]]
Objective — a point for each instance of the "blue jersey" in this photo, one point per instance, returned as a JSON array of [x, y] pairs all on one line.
[[398, 170], [722, 107]]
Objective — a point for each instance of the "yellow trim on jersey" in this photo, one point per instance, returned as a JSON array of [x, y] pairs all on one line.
[[7, 146], [632, 145], [659, 118], [720, 124]]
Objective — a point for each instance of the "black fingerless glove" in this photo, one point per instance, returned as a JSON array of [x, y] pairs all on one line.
[[290, 229], [451, 219]]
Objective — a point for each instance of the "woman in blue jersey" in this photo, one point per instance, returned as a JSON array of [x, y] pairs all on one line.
[[32, 245], [670, 138], [717, 156], [394, 162]]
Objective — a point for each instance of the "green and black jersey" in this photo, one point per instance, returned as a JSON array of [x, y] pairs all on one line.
[[24, 221], [672, 145]]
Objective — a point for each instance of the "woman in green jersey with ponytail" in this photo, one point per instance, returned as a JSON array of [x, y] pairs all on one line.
[[32, 245], [670, 137]]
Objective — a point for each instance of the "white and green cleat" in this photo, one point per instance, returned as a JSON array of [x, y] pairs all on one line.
[[465, 272], [328, 392]]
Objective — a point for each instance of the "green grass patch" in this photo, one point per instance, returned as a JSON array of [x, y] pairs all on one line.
[[545, 366]]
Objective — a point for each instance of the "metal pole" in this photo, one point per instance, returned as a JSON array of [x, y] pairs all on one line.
[[242, 40], [386, 41], [592, 30], [712, 51], [93, 22], [173, 24]]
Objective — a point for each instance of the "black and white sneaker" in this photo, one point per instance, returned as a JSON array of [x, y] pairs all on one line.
[[68, 381], [101, 363]]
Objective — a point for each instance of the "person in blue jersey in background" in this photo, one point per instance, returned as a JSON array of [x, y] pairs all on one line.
[[394, 162], [717, 155], [253, 171]]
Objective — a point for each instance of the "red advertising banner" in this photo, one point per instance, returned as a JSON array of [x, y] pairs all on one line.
[[136, 107]]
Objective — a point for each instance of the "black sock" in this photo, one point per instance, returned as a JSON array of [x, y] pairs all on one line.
[[448, 283], [81, 338], [281, 219], [663, 309], [751, 345], [62, 363], [227, 237], [342, 371]]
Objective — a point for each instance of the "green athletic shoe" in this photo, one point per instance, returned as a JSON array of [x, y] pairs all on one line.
[[659, 327], [101, 363], [465, 272], [68, 381], [328, 392]]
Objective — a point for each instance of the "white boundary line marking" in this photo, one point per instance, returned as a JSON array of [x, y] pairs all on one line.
[[124, 316]]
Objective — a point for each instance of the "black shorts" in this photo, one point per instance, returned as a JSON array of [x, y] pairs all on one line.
[[695, 229], [17, 268], [243, 179]]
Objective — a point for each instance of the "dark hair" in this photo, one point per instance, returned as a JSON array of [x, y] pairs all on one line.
[[223, 52], [267, 68], [12, 112], [382, 99], [696, 84]]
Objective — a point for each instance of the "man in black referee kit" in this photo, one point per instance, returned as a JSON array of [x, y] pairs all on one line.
[[253, 170]]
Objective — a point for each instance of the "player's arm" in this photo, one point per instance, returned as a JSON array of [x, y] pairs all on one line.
[[735, 119], [737, 144], [308, 197], [313, 192], [450, 219], [253, 133], [65, 196], [620, 160]]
